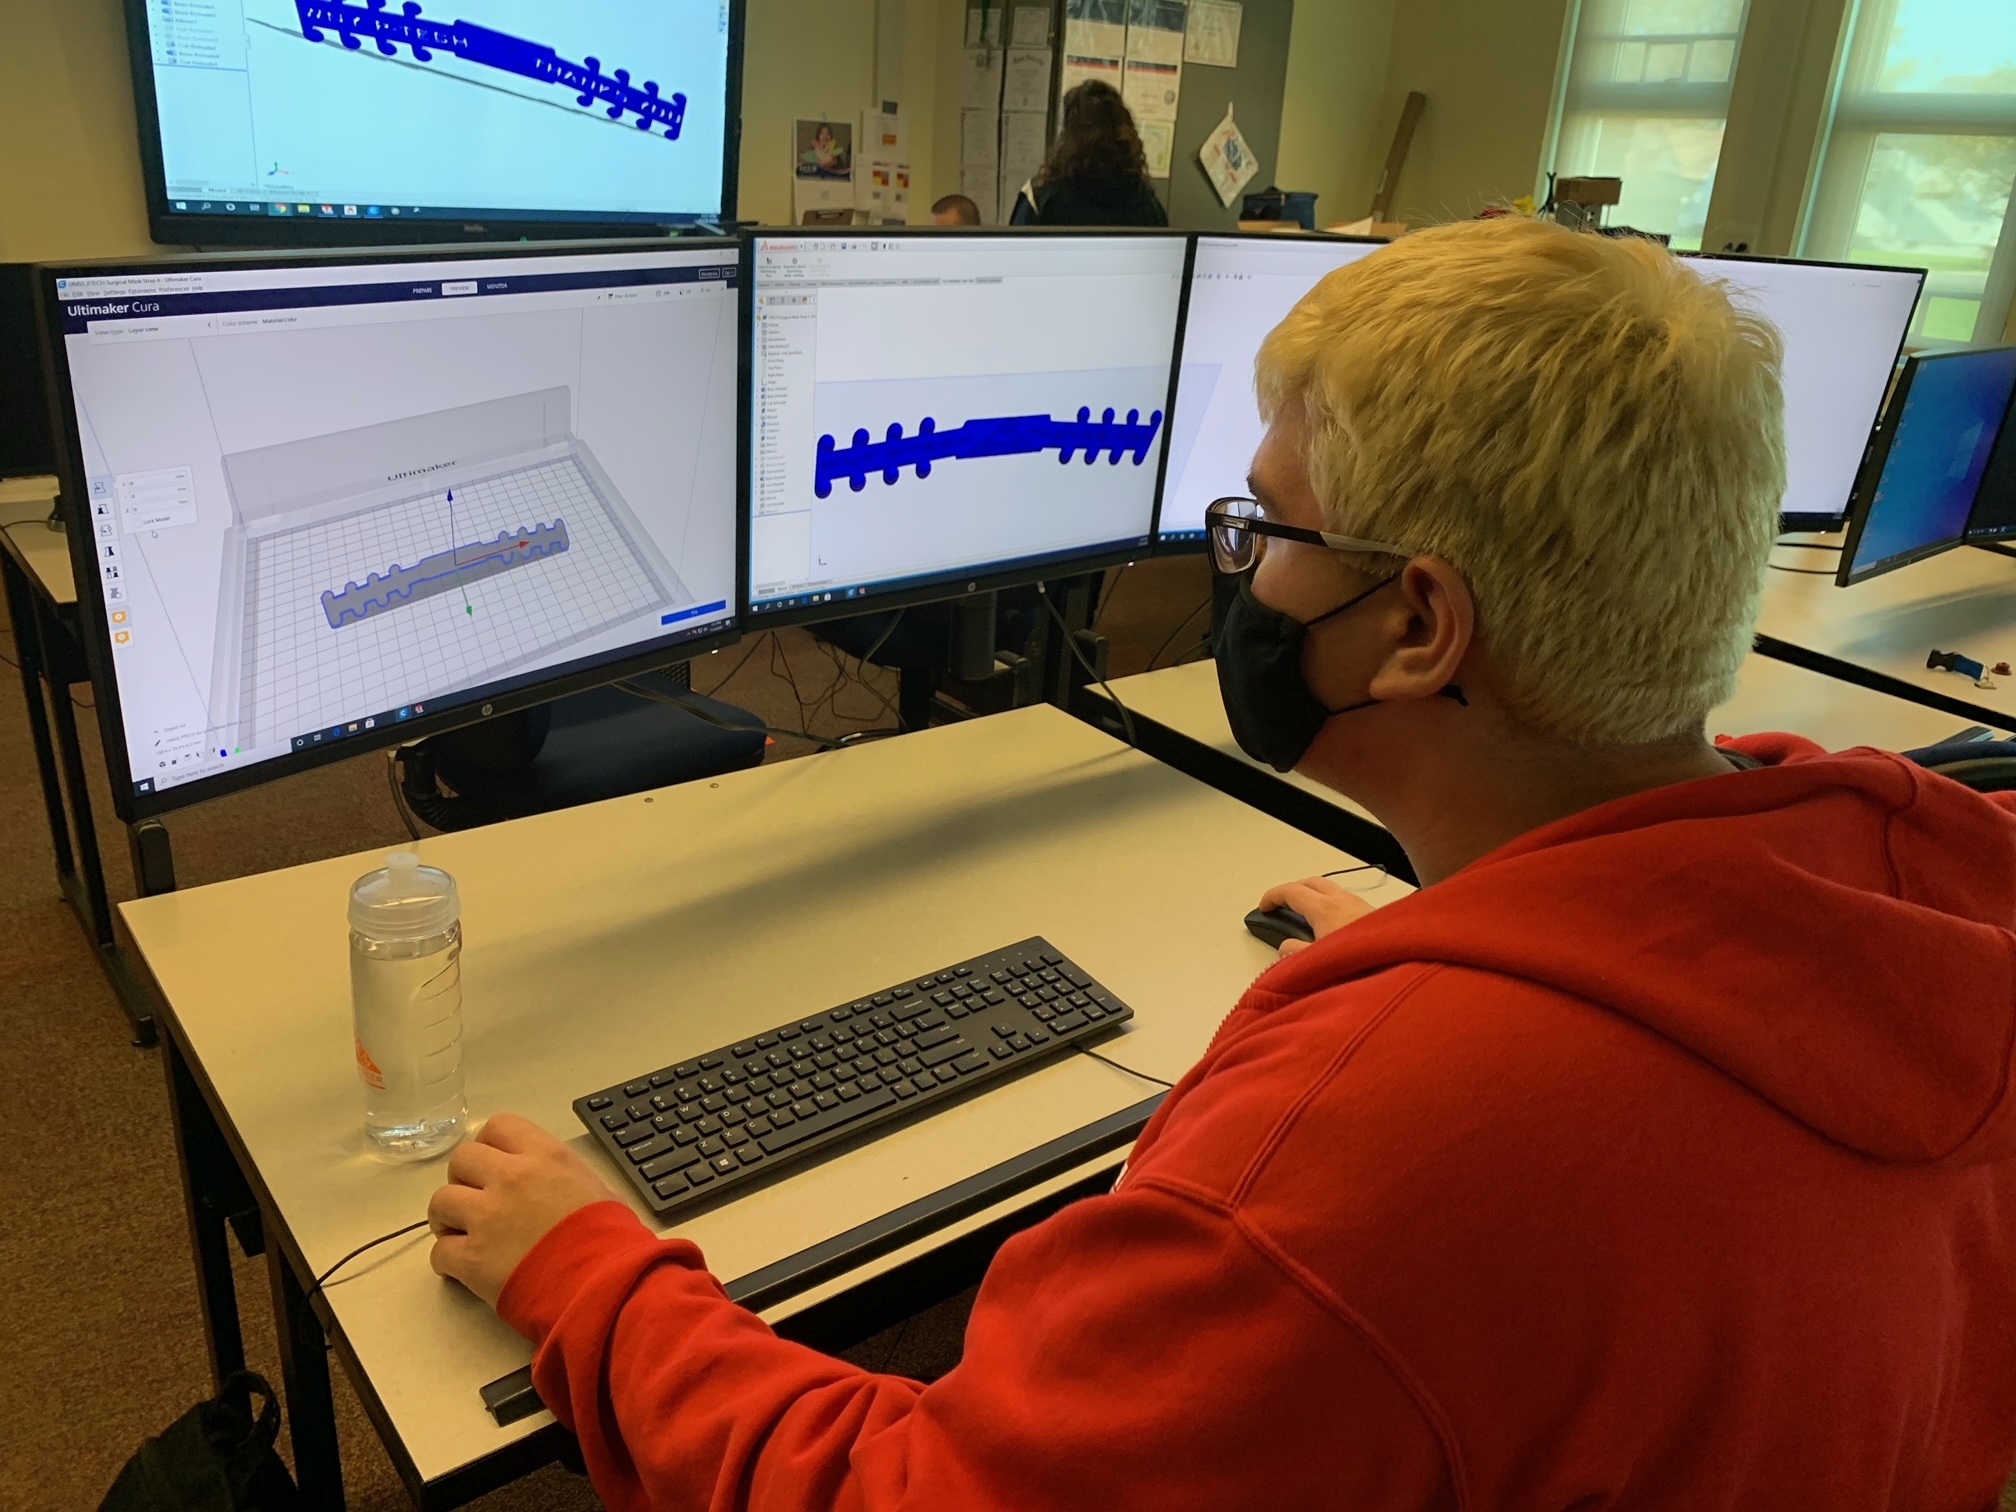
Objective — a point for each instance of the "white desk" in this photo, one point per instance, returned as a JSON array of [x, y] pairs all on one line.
[[1879, 632], [1179, 718], [610, 939]]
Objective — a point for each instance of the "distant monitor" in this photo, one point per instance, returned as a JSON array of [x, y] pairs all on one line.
[[1240, 287], [1844, 327], [348, 122], [1926, 472], [1994, 514], [330, 503], [935, 413]]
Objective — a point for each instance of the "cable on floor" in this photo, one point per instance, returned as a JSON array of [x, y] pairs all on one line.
[[1070, 640], [1169, 639]]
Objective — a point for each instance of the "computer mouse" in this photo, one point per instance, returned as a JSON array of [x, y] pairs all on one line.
[[1273, 925]]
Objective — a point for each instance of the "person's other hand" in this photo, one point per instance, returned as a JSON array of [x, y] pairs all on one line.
[[506, 1188], [1321, 901]]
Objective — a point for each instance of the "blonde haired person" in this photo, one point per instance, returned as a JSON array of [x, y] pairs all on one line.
[[1656, 1154]]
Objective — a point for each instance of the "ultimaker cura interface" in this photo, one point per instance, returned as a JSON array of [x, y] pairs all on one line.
[[325, 498]]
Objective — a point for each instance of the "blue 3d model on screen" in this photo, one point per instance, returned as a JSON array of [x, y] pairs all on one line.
[[997, 436], [490, 49]]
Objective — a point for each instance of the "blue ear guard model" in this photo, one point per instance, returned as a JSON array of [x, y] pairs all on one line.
[[998, 436], [490, 49]]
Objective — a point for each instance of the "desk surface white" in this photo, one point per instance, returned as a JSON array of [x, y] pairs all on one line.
[[1770, 695], [1962, 601], [46, 554], [617, 938]]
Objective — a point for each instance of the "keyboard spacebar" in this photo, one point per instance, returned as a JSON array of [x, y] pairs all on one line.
[[832, 1118]]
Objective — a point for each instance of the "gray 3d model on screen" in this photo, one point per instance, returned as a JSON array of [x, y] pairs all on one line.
[[491, 49], [390, 563]]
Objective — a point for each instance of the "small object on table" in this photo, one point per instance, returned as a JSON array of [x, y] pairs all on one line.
[[1966, 666]]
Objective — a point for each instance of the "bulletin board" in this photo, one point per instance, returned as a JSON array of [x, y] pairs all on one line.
[[1254, 90]]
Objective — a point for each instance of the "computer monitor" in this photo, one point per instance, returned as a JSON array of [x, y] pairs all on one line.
[[326, 503], [358, 122], [1239, 289], [942, 412], [1844, 327], [27, 445], [1994, 515], [1925, 472]]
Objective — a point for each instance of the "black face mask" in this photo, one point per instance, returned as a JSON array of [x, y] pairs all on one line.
[[1274, 716]]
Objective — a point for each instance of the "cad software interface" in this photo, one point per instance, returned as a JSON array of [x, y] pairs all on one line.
[[598, 109], [1944, 434], [324, 499], [1240, 289], [931, 406], [1842, 328]]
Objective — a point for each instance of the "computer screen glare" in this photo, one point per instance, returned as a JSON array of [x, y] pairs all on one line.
[[1843, 328], [1240, 289], [1946, 427], [933, 409], [329, 498]]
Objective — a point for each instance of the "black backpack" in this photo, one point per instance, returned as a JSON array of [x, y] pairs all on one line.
[[216, 1457]]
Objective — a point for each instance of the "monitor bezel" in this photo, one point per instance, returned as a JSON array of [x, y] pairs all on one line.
[[1848, 573], [935, 587], [2005, 440], [1187, 545], [1809, 521], [187, 228], [132, 806]]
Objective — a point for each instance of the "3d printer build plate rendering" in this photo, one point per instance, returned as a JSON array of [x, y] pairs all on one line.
[[371, 568]]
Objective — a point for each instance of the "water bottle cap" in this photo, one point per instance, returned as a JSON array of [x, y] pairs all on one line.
[[403, 900]]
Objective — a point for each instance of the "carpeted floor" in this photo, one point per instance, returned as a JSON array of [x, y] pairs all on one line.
[[99, 1336]]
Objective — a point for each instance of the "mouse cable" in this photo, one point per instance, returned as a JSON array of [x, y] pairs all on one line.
[[1143, 1075], [1807, 545], [652, 695], [369, 1244], [1805, 571], [1345, 871], [1070, 640]]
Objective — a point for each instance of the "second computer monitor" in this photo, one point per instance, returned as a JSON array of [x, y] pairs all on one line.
[[1240, 289], [1946, 418], [934, 412], [1843, 328]]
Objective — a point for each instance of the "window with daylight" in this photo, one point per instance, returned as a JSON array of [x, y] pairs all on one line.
[[1920, 157], [1645, 99]]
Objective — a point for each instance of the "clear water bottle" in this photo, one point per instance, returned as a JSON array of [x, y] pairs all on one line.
[[406, 997]]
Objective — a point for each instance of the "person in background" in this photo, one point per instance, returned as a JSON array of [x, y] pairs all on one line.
[[1096, 173], [1659, 1152], [955, 210]]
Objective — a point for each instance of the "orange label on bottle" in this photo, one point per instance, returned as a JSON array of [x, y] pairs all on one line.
[[368, 1068]]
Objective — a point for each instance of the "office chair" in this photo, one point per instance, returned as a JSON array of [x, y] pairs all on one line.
[[604, 743]]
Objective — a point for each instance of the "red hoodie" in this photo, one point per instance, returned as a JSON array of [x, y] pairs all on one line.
[[1663, 1158]]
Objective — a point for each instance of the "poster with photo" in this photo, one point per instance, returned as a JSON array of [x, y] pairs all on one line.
[[822, 166]]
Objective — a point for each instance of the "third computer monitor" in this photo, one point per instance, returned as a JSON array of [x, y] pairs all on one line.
[[932, 413], [328, 503], [1843, 327], [1240, 288], [1946, 420]]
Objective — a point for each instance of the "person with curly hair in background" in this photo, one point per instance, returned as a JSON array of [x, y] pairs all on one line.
[[1096, 173]]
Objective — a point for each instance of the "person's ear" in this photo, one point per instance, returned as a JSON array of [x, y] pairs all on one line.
[[1441, 626]]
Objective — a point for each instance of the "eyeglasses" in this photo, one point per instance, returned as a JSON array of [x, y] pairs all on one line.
[[1237, 533]]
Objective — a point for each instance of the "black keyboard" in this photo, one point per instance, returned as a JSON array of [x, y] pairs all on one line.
[[729, 1117]]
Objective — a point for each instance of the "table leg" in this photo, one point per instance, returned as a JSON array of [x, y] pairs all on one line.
[[304, 1370], [89, 863], [28, 649], [212, 1189]]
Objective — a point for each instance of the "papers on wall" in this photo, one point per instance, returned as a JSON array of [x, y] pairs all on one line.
[[882, 177], [980, 79], [980, 185], [1228, 160], [1152, 80], [983, 31], [979, 146], [1211, 36], [1025, 137], [822, 166], [1026, 83], [1032, 26], [1095, 41]]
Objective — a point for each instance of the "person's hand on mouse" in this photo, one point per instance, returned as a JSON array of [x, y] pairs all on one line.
[[1321, 901], [506, 1188]]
